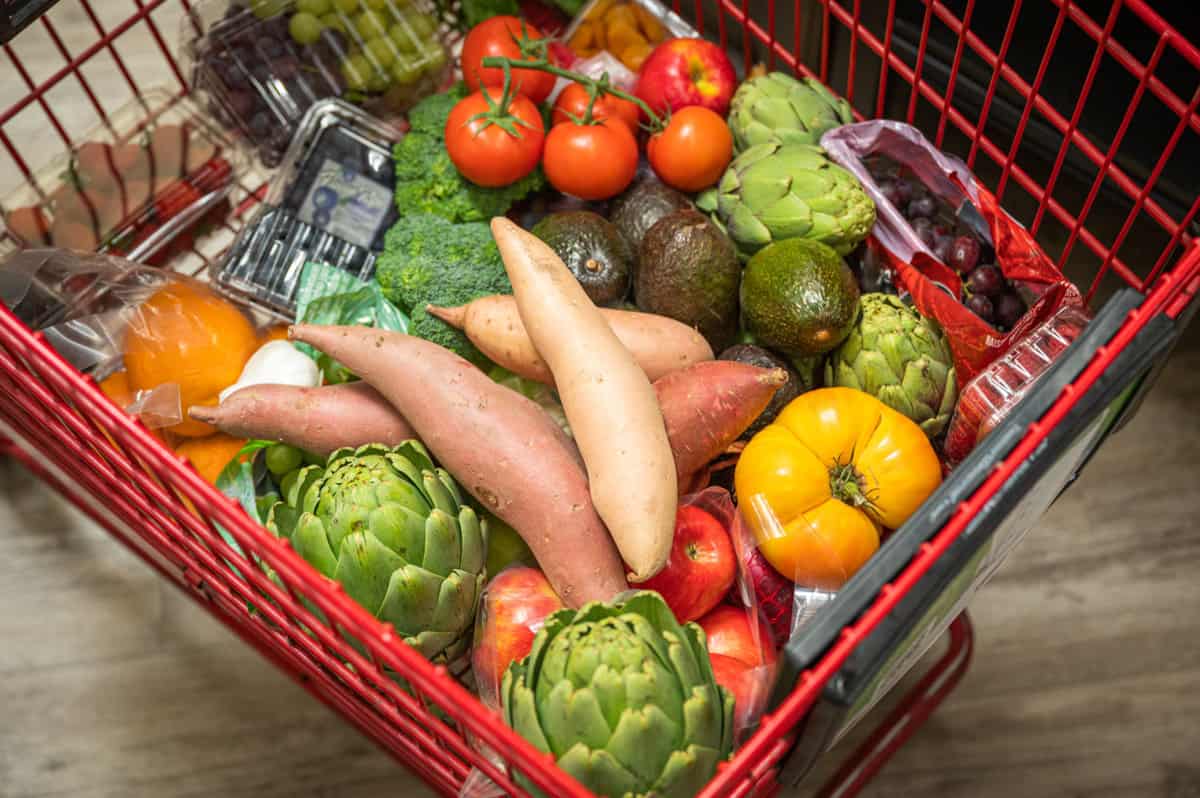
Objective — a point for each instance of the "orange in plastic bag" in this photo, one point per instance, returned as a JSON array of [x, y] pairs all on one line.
[[186, 335], [210, 455]]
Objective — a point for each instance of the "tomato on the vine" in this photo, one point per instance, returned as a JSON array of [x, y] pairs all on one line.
[[692, 152], [573, 101], [592, 162], [492, 145], [506, 37]]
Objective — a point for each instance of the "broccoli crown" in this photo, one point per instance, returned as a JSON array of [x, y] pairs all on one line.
[[430, 260], [427, 180]]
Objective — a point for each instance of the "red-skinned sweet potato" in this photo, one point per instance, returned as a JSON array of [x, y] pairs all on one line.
[[317, 420]]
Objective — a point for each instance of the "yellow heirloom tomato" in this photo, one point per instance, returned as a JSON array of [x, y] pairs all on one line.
[[818, 484]]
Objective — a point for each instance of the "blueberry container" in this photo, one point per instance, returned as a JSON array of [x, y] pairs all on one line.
[[331, 202]]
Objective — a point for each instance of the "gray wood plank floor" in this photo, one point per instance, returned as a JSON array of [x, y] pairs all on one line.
[[1086, 680]]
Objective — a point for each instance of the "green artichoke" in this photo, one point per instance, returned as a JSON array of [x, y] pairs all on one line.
[[394, 530], [775, 191], [776, 106], [900, 357], [624, 698]]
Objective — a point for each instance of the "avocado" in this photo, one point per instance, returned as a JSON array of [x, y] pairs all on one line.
[[689, 270], [593, 250], [647, 201], [757, 356], [799, 297]]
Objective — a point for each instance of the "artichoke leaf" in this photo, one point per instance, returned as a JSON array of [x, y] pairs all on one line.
[[603, 774], [441, 498], [686, 772], [643, 741], [411, 601], [474, 542], [310, 542], [443, 543], [365, 568], [400, 529]]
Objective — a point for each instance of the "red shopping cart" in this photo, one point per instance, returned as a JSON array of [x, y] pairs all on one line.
[[1012, 88]]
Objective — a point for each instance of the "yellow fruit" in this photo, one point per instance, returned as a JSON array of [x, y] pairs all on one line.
[[188, 336]]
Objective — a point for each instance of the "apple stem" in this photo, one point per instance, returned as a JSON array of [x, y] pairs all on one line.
[[595, 87]]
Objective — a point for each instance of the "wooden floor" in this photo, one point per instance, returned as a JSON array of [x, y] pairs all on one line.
[[1086, 680]]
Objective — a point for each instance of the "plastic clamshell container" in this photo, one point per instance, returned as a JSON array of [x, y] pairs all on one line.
[[331, 202], [260, 74], [129, 188], [628, 29]]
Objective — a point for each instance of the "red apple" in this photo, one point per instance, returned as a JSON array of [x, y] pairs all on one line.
[[747, 683], [682, 72], [515, 606], [701, 568], [730, 633]]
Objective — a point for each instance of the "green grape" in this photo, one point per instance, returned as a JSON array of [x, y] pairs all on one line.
[[370, 25], [283, 459], [379, 81], [333, 21], [356, 71], [435, 55], [267, 8], [381, 52], [346, 6], [305, 28], [315, 7], [403, 38], [405, 71], [422, 24], [377, 5]]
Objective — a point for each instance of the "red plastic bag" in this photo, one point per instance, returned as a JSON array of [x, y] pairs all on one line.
[[934, 286]]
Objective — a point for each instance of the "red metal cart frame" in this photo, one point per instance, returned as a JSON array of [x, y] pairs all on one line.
[[152, 501]]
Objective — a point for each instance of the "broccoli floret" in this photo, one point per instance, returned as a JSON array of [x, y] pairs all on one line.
[[427, 180], [429, 260], [429, 115]]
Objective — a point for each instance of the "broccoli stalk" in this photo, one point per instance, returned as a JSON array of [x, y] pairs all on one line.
[[429, 260]]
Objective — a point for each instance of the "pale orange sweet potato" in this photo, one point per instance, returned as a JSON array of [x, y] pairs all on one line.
[[658, 344], [610, 404], [501, 447]]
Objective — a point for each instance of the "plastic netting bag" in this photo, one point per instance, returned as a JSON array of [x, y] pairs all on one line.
[[935, 287]]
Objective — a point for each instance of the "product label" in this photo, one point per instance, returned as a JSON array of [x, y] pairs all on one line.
[[344, 203]]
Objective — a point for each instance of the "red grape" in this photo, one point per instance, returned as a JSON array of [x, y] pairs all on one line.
[[941, 247], [986, 280], [904, 190], [981, 306], [923, 206], [1009, 309], [964, 254], [890, 192], [924, 230]]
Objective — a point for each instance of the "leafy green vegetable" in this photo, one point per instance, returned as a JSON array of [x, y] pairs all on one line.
[[476, 11], [427, 180], [328, 295], [429, 260]]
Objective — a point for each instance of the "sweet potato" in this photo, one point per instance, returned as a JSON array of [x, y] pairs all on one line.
[[499, 445], [659, 345], [317, 420], [708, 405], [609, 402]]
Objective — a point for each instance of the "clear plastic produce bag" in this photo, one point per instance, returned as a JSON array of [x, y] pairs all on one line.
[[935, 287], [159, 342]]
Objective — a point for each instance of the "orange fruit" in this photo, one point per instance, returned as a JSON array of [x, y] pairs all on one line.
[[116, 387], [210, 455], [188, 336]]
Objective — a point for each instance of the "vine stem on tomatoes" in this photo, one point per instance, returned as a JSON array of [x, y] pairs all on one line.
[[599, 86]]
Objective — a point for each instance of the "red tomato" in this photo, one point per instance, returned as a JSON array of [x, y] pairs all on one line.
[[592, 162], [693, 151], [504, 37], [574, 101], [491, 149]]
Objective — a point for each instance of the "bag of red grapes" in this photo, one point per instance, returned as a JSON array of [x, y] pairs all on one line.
[[946, 241]]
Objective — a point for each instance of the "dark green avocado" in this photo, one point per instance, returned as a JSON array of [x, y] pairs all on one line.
[[799, 297], [598, 255], [642, 205], [689, 270]]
